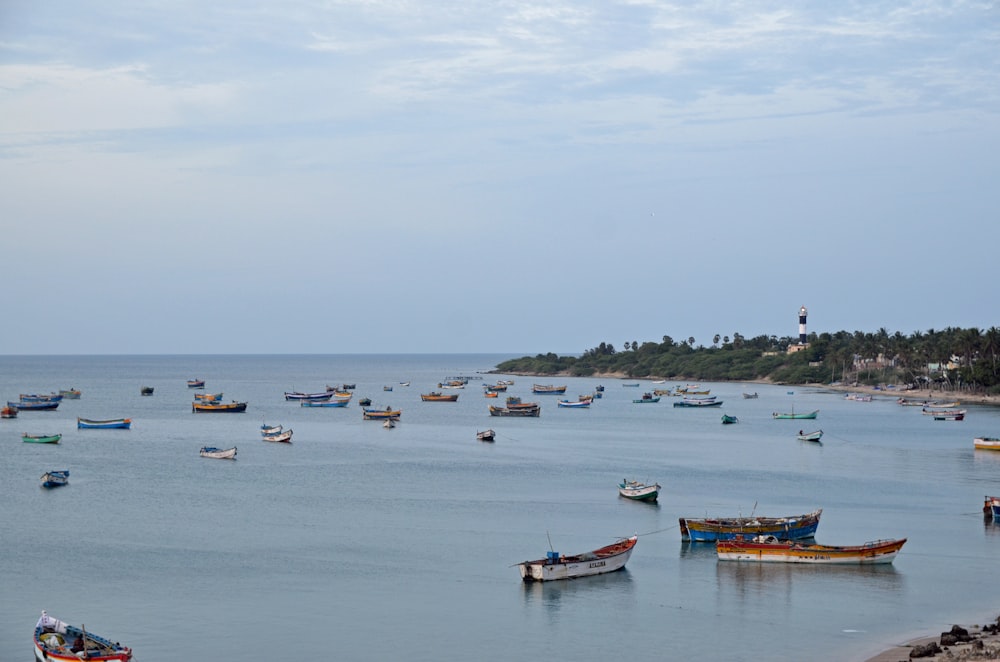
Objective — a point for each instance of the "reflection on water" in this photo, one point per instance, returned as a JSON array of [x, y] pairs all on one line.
[[697, 550], [611, 586], [752, 581]]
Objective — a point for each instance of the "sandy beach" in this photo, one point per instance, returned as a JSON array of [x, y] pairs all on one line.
[[981, 643], [962, 397]]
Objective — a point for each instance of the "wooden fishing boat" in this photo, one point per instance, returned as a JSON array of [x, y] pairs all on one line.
[[578, 404], [548, 389], [992, 508], [146, 390], [218, 453], [630, 385], [42, 405], [526, 412], [365, 402], [40, 397], [646, 397], [266, 429], [792, 527], [858, 397], [284, 436], [945, 414], [986, 443], [698, 402], [792, 415], [664, 391], [768, 549], [490, 394], [514, 402], [556, 566], [941, 405], [8, 412], [387, 387], [381, 414], [70, 393], [315, 397], [324, 403], [196, 383], [85, 423], [810, 436], [729, 420], [41, 438], [56, 478], [221, 407], [750, 396], [56, 641], [633, 489], [208, 397], [486, 435], [438, 396]]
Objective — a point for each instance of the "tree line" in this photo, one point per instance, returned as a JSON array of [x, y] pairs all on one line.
[[952, 358]]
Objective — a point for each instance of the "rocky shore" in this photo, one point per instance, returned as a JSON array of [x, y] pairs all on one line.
[[958, 643]]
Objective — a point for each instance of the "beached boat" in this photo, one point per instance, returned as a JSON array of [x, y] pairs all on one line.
[[438, 396], [86, 423], [41, 438], [315, 397], [792, 415], [768, 549], [570, 404], [221, 407], [986, 443], [945, 414], [381, 414], [633, 489], [548, 389], [486, 435], [810, 436], [42, 405], [70, 393], [646, 397], [698, 402], [729, 420], [56, 641], [8, 412], [146, 390], [527, 412], [324, 403], [55, 478], [218, 453], [750, 396], [556, 566], [208, 397], [196, 383], [284, 436], [792, 527]]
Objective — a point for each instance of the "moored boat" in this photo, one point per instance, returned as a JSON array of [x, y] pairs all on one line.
[[438, 396], [324, 403], [810, 436], [8, 412], [526, 412], [792, 527], [646, 397], [381, 414], [208, 397], [698, 402], [222, 407], [792, 415], [284, 436], [56, 641], [218, 453], [196, 383], [42, 405], [41, 438], [40, 397], [146, 390], [315, 397], [992, 508], [122, 423], [750, 396], [729, 420], [986, 443], [633, 489], [55, 478], [486, 435], [570, 404], [266, 429], [945, 414], [548, 389], [768, 549], [70, 393], [556, 566]]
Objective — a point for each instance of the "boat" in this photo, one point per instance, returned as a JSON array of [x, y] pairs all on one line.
[[514, 402], [56, 478], [315, 397], [807, 416], [945, 414], [41, 438], [438, 396], [630, 385], [389, 423], [387, 388], [490, 394], [486, 435], [698, 402], [729, 420], [34, 406], [534, 411], [56, 641], [548, 389], [665, 391], [858, 397], [218, 453], [810, 436], [284, 436], [556, 566], [992, 508], [230, 407], [196, 383], [986, 443], [365, 402], [70, 393], [578, 404], [646, 397], [266, 429], [146, 390], [792, 527], [8, 412], [750, 396], [404, 383], [85, 423], [906, 402], [40, 397], [381, 414], [208, 397], [633, 489], [324, 403], [942, 405], [768, 549]]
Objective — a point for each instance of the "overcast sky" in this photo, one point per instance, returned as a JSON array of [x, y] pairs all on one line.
[[397, 176]]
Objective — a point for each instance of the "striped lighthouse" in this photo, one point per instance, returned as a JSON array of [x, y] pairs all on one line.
[[802, 326]]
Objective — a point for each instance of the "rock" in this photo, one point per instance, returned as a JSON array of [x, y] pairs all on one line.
[[957, 634], [926, 650]]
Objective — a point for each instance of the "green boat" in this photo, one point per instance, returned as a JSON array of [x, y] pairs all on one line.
[[41, 438], [810, 415], [729, 420]]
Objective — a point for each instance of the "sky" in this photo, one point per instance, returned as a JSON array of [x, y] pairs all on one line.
[[389, 176]]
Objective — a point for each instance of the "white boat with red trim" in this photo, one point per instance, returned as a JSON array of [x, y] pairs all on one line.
[[557, 566]]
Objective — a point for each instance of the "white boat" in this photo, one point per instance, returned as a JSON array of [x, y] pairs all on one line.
[[810, 436], [218, 453], [986, 443], [56, 641], [633, 489], [266, 429], [283, 436], [556, 566]]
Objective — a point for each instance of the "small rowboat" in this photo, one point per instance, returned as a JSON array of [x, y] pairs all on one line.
[[810, 436], [196, 383], [326, 403], [55, 641], [234, 406], [315, 397], [646, 397], [41, 438], [986, 443], [729, 420], [35, 406], [381, 414], [122, 423], [55, 478], [555, 566], [8, 412], [218, 453], [70, 393], [486, 435], [285, 436], [579, 404], [438, 396], [633, 489], [945, 414], [40, 397], [768, 549], [807, 416], [146, 390], [266, 429]]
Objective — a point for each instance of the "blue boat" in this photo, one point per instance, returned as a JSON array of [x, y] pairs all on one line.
[[33, 406], [85, 423], [55, 478], [793, 527], [327, 403]]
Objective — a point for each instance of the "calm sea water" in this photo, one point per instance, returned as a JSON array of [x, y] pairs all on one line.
[[356, 542]]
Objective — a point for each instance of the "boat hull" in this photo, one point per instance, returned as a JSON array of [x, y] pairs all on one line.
[[41, 405], [328, 403], [812, 436], [987, 443], [218, 453], [52, 479], [793, 527], [120, 423], [598, 562], [524, 412], [284, 436], [810, 416], [382, 414], [53, 643], [638, 491], [41, 438], [229, 407], [871, 553]]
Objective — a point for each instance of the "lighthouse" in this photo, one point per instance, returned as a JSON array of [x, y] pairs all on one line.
[[802, 326]]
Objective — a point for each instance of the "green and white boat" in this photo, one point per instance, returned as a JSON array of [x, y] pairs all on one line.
[[41, 438]]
